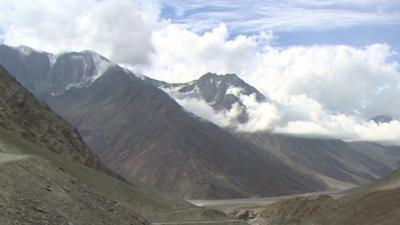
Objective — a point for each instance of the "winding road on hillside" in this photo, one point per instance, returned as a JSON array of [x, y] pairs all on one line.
[[5, 157]]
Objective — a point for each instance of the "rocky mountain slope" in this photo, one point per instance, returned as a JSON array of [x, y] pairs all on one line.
[[140, 132], [374, 204], [24, 116], [340, 164], [49, 176]]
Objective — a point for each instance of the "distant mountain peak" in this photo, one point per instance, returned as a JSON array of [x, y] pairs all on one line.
[[226, 77], [382, 119], [87, 53], [210, 75], [25, 50], [53, 74], [212, 85], [221, 92]]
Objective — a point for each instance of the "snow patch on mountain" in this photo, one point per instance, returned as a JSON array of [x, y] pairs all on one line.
[[262, 115], [234, 91], [101, 64], [94, 65], [202, 109], [52, 59], [25, 51], [176, 91]]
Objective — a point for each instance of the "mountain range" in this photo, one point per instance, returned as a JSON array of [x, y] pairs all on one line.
[[49, 175], [136, 127]]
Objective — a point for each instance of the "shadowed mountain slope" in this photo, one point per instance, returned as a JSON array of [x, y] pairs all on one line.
[[139, 131], [49, 176], [340, 164], [24, 116]]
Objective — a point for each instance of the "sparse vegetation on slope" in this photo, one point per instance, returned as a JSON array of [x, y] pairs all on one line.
[[59, 181]]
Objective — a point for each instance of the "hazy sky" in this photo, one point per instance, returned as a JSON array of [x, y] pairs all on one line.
[[327, 65]]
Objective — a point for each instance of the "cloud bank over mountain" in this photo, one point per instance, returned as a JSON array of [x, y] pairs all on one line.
[[119, 29], [323, 90]]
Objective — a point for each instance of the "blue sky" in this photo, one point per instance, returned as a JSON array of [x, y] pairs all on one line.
[[296, 22]]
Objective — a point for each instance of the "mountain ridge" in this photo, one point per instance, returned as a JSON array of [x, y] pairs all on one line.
[[139, 130], [175, 134], [222, 92], [47, 71]]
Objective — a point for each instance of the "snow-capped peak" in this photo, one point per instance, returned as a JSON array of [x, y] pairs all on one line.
[[90, 66], [101, 64]]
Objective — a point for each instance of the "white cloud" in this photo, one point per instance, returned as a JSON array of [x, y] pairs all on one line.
[[306, 117], [315, 90], [178, 48], [342, 79], [119, 29], [262, 116], [200, 108], [304, 128], [234, 90]]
